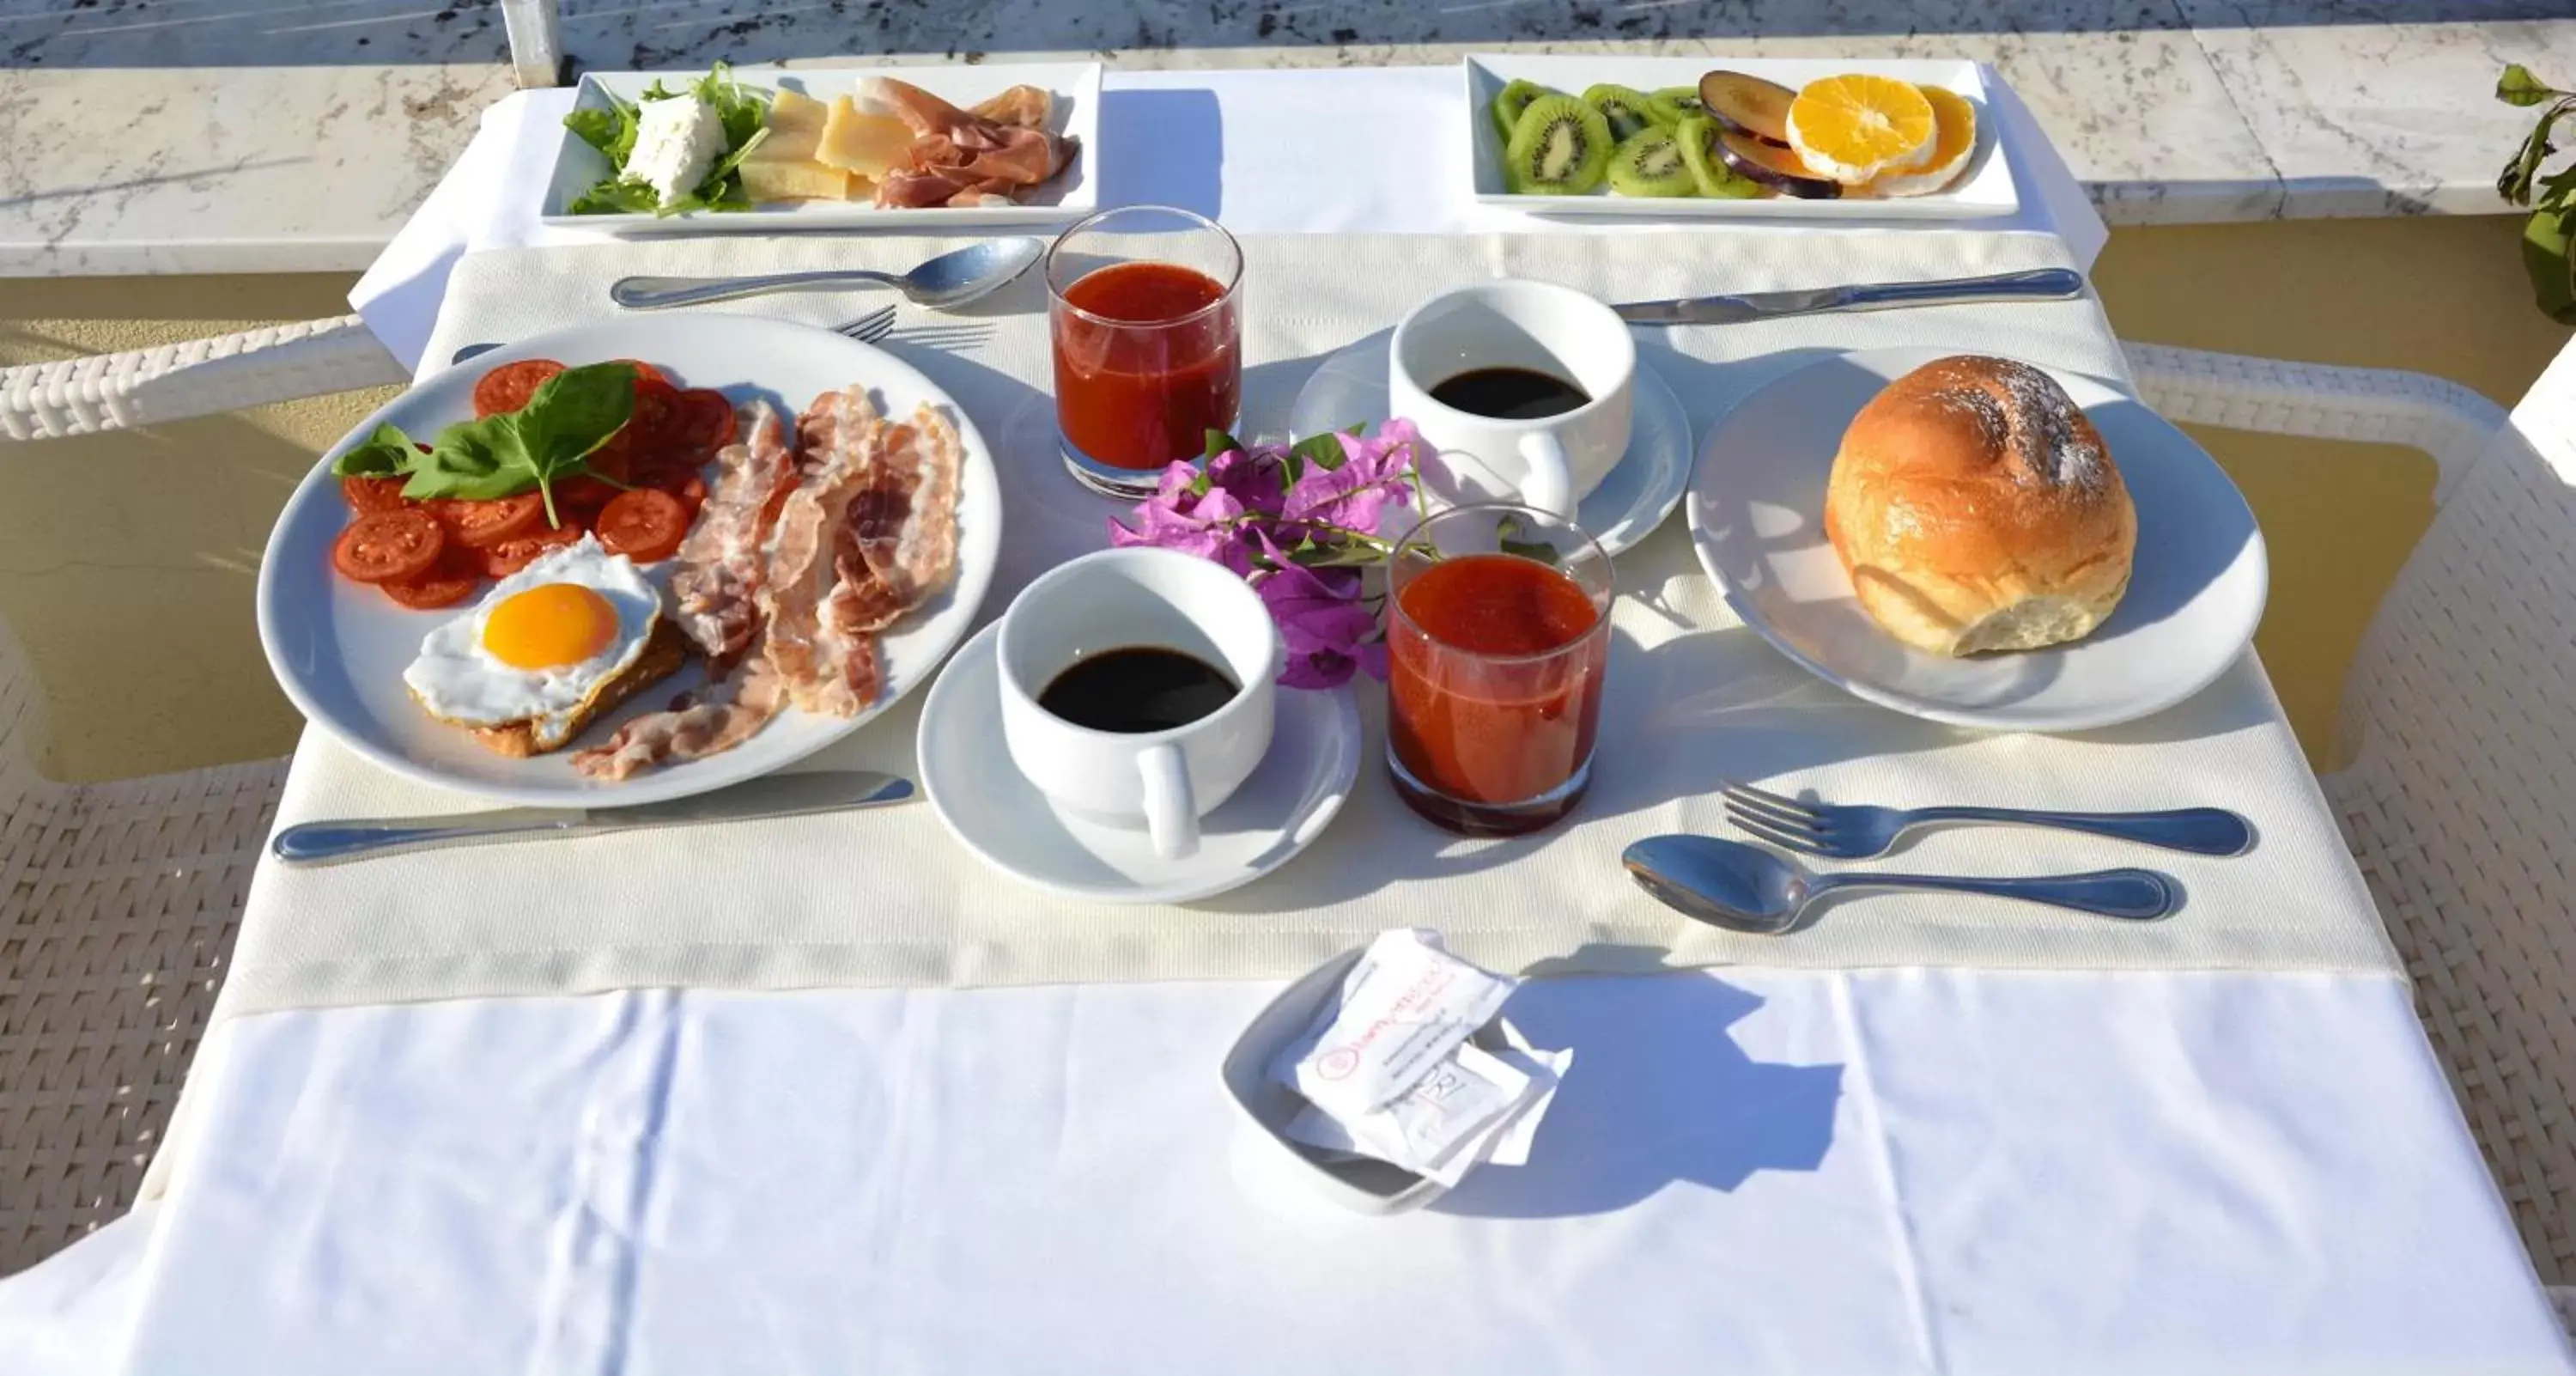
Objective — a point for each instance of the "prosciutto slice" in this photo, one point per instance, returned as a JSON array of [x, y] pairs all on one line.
[[966, 157]]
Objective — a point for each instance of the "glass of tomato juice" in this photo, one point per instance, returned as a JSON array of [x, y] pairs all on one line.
[[1498, 631], [1145, 307]]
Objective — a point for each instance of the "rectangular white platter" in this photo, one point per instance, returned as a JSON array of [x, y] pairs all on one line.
[[1983, 191], [1069, 195]]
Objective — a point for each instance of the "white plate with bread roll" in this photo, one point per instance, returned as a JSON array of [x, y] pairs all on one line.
[[1977, 541]]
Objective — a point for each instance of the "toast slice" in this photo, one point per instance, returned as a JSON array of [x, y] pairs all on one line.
[[664, 652]]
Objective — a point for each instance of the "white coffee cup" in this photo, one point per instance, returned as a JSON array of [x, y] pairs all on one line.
[[1160, 781], [1550, 463]]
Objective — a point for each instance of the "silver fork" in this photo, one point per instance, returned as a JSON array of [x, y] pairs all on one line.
[[871, 327], [1860, 832]]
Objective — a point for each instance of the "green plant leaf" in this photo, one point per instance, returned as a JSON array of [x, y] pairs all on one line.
[[1509, 527], [384, 454], [616, 196], [2546, 260], [2519, 87], [1218, 442], [2515, 183], [1323, 451]]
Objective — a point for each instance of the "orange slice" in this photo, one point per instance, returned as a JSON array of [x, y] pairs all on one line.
[[1952, 145], [1851, 128]]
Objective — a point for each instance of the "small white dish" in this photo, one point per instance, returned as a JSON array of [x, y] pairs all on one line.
[[1067, 196], [995, 812], [2196, 589], [1358, 1183], [1984, 189], [1647, 483]]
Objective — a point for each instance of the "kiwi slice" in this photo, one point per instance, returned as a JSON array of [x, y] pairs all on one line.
[[1671, 104], [1649, 163], [1559, 147], [1514, 98], [1697, 136], [1629, 111]]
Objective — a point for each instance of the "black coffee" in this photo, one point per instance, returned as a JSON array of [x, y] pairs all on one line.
[[1142, 688], [1510, 394]]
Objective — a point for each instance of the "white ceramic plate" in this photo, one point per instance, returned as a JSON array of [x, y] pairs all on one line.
[[2195, 592], [1069, 195], [339, 649], [996, 813], [1983, 190], [1633, 498]]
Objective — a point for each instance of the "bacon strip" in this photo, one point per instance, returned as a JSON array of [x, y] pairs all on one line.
[[880, 500], [716, 584], [843, 438]]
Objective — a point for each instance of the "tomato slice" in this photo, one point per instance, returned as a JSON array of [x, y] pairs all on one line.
[[478, 524], [372, 494], [645, 372], [644, 525], [657, 411], [508, 387], [510, 556], [679, 478], [451, 580], [579, 498], [382, 546], [706, 422]]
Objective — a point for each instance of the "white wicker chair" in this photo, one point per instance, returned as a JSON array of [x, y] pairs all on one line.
[[198, 378], [118, 904], [2457, 715]]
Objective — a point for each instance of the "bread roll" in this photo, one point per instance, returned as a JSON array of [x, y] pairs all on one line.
[[1977, 509]]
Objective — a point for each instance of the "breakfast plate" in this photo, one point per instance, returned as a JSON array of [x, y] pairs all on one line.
[[1632, 500], [2195, 593], [341, 649], [995, 812], [1983, 190], [1068, 195]]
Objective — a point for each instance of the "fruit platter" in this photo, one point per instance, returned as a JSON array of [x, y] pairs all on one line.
[[1731, 138]]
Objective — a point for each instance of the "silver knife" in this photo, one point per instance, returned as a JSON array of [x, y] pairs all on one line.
[[777, 795], [2038, 284]]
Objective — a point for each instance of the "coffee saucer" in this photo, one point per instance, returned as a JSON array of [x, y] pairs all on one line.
[[1312, 764], [1634, 498]]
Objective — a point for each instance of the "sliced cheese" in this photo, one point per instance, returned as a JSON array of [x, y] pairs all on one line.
[[863, 141], [795, 126], [795, 181]]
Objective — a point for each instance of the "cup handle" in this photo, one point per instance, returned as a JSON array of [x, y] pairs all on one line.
[[1171, 813], [1550, 484]]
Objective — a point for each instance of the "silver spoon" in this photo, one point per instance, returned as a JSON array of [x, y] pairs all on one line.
[[951, 279], [1744, 889]]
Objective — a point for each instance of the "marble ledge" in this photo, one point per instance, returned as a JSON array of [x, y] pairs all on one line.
[[312, 167]]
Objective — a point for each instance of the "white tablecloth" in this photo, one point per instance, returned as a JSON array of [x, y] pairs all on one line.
[[1953, 1171], [1367, 149]]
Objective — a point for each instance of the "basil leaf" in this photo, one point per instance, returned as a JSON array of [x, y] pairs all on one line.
[[2519, 87], [476, 460], [384, 454], [575, 412]]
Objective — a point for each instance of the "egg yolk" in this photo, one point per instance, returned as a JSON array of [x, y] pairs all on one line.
[[550, 625]]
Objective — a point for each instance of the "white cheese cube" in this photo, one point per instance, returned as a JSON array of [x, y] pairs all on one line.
[[676, 141]]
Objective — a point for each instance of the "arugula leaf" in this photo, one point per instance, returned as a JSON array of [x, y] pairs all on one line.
[[742, 110], [384, 454]]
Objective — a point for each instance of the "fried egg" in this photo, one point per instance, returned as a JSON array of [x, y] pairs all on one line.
[[540, 646]]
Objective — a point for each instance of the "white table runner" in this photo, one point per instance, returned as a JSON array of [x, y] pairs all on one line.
[[884, 898]]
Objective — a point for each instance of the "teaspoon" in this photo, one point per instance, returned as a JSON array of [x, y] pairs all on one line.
[[1744, 889], [951, 279]]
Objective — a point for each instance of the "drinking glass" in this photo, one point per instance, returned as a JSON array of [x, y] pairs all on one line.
[[1146, 309], [1498, 632]]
